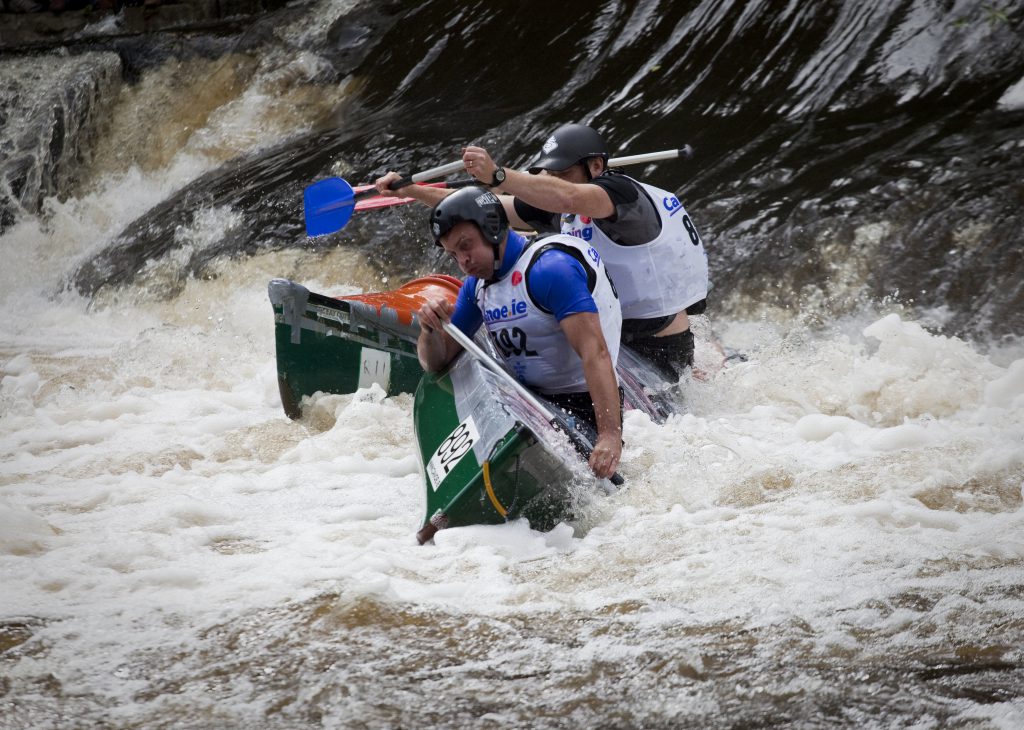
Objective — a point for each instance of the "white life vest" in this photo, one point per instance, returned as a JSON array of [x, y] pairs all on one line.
[[658, 278], [529, 337]]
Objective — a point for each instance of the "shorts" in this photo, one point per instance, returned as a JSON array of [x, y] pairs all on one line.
[[580, 408], [672, 353]]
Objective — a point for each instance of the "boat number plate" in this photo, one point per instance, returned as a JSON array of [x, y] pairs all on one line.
[[450, 452], [374, 367]]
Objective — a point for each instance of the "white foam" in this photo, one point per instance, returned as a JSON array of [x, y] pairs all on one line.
[[1013, 98]]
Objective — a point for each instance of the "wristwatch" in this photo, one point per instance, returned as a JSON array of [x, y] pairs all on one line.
[[499, 177]]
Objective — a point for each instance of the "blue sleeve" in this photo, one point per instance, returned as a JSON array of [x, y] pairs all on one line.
[[558, 283], [467, 315]]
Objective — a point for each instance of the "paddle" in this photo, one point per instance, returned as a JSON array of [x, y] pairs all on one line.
[[685, 152], [579, 441], [328, 203], [380, 201]]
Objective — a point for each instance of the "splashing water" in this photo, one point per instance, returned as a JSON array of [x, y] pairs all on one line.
[[831, 534]]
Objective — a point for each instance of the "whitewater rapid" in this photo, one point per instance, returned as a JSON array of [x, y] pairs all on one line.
[[152, 489], [831, 531]]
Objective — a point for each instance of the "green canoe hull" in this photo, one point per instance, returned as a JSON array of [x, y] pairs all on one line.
[[339, 345], [488, 456]]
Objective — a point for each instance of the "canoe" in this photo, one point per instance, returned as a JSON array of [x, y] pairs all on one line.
[[488, 454], [341, 344]]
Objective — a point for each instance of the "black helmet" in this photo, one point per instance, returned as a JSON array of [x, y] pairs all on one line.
[[473, 204], [571, 143]]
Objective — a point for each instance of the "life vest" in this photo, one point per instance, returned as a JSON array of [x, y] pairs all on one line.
[[528, 336], [658, 278]]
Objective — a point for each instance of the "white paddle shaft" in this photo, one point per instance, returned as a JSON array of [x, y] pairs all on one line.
[[488, 362], [442, 170], [436, 172], [686, 152]]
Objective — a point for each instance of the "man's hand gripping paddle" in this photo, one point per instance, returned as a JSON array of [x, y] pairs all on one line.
[[579, 441]]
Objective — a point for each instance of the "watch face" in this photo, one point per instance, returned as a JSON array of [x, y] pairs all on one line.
[[499, 176]]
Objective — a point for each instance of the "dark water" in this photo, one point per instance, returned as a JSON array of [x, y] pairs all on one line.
[[844, 150]]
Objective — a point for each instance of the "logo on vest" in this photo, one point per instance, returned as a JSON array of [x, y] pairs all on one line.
[[517, 278], [585, 233], [671, 204], [570, 220], [505, 312]]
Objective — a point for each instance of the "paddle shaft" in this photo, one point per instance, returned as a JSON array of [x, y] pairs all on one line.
[[685, 152], [431, 174], [328, 204], [488, 362]]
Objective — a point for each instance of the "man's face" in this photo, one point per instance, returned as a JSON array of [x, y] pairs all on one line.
[[473, 254]]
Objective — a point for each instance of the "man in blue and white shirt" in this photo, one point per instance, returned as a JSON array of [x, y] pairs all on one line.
[[548, 305]]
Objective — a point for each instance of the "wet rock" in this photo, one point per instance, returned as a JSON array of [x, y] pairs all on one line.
[[49, 107]]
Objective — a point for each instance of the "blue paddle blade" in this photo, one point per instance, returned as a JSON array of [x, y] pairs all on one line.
[[328, 204]]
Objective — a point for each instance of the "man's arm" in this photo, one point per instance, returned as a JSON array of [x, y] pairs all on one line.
[[431, 196], [583, 330], [423, 193], [434, 347], [542, 191]]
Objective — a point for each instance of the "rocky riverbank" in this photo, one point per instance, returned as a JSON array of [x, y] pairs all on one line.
[[60, 73]]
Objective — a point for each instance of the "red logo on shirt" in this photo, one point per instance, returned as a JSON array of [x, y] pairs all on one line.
[[516, 278], [585, 219]]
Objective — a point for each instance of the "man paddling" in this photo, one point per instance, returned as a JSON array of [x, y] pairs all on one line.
[[647, 239], [548, 306]]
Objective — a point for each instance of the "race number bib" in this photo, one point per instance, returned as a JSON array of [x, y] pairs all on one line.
[[511, 341], [450, 452]]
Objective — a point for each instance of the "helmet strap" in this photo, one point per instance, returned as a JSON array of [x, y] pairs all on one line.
[[497, 263]]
